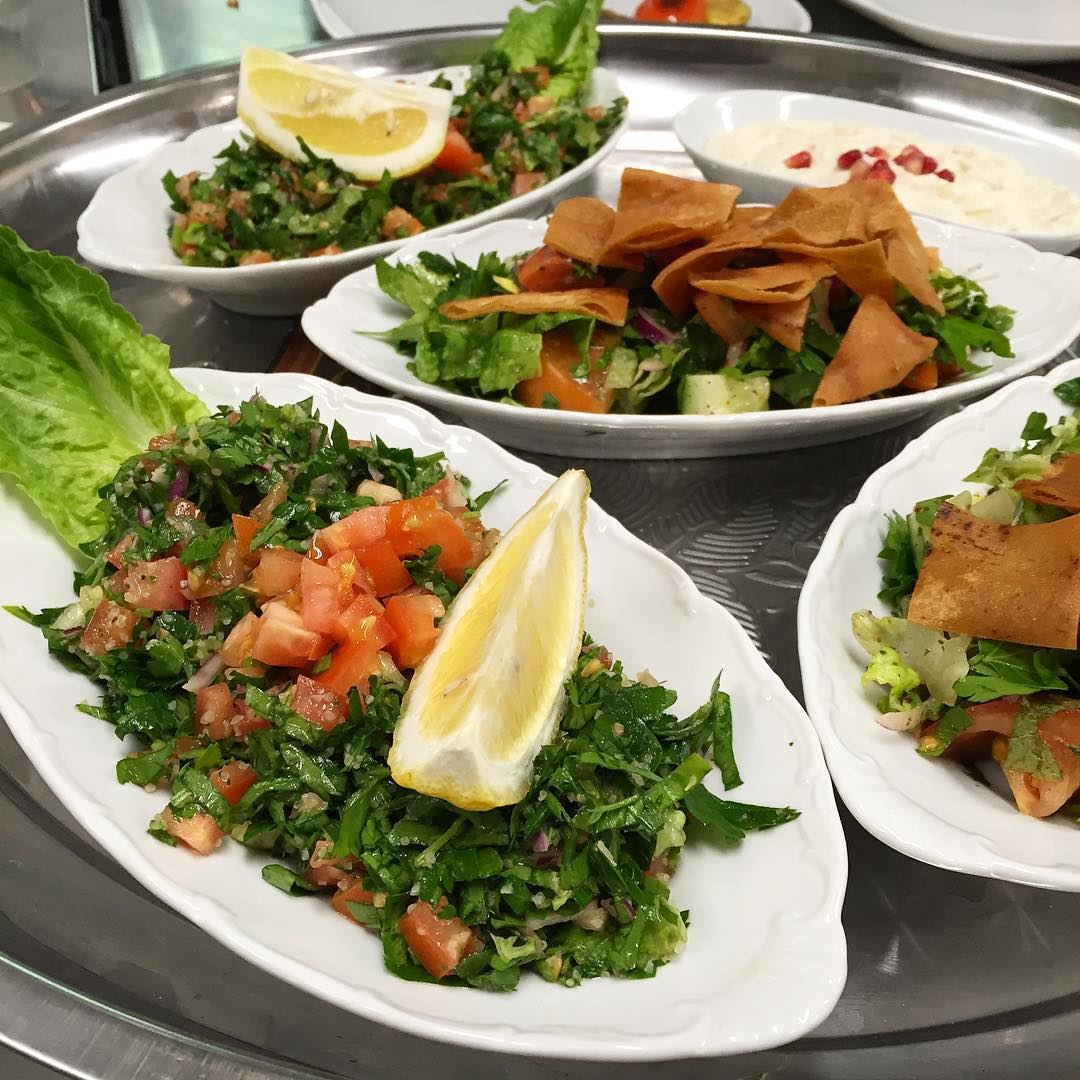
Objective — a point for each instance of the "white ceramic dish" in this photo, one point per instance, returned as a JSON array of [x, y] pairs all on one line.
[[766, 956], [125, 227], [930, 810], [1041, 287], [1056, 160], [349, 18], [1034, 32]]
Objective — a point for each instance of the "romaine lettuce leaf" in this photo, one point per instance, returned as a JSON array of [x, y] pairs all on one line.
[[81, 387], [559, 33]]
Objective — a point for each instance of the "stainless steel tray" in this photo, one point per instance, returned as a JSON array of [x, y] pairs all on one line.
[[949, 975]]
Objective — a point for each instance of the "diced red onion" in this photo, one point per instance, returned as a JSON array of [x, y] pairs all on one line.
[[206, 674], [145, 517], [651, 330], [540, 841], [180, 482], [652, 364]]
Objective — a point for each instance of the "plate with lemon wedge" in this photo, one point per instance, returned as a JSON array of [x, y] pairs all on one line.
[[321, 172], [425, 710]]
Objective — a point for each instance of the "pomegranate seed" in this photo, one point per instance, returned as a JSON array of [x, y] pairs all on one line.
[[877, 152], [929, 165], [880, 170], [848, 158], [947, 174], [801, 160], [860, 170]]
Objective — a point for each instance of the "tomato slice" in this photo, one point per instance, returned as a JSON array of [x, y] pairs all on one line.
[[412, 618], [438, 945], [524, 182], [278, 571], [457, 156], [358, 529], [674, 11], [110, 627], [233, 780], [282, 639], [199, 832], [318, 704], [548, 270], [385, 570], [214, 711], [158, 585]]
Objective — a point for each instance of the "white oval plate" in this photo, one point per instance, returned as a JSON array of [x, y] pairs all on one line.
[[766, 956], [1058, 160], [930, 810], [1041, 287], [348, 18], [125, 226], [1032, 32]]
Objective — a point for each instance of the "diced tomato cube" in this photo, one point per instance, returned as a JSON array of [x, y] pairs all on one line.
[[282, 639], [214, 711], [356, 530], [110, 627], [241, 641], [350, 890], [247, 720], [547, 270], [199, 832], [278, 571], [351, 666], [158, 585], [227, 570], [321, 596], [384, 569], [317, 703], [245, 529], [325, 869], [116, 554], [233, 780], [358, 621], [439, 945], [457, 156], [417, 524], [524, 182], [264, 509], [412, 618]]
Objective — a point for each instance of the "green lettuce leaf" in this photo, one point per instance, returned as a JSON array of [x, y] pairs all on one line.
[[998, 669], [81, 387]]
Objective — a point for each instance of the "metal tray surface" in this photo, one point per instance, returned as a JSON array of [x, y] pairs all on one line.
[[949, 975]]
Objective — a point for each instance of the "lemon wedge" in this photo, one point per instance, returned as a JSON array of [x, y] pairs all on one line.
[[365, 126], [490, 695]]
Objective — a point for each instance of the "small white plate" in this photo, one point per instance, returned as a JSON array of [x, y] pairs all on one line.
[[349, 18], [1055, 159], [1042, 288], [125, 227], [930, 810], [1032, 32], [765, 961]]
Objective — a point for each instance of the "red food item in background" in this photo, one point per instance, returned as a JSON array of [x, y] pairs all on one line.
[[686, 11], [860, 170], [848, 158], [881, 170], [912, 159], [801, 160], [947, 175], [877, 152]]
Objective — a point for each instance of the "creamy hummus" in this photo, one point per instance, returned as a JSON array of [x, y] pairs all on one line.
[[990, 190]]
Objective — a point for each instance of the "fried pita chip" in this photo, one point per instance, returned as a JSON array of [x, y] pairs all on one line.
[[672, 284], [722, 319], [1059, 486], [1017, 583], [579, 228], [781, 283], [877, 352], [656, 210], [782, 322], [607, 305], [861, 267]]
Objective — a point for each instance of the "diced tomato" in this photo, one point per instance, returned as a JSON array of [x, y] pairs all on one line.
[[414, 525], [686, 11], [457, 157], [278, 572], [1040, 798], [398, 223], [356, 530], [321, 596], [547, 270], [227, 570], [351, 665], [524, 182], [412, 618], [282, 640], [556, 382], [184, 509], [247, 720], [199, 832], [923, 377], [350, 891], [357, 622], [241, 641], [157, 585], [116, 554], [159, 442], [233, 779], [438, 945], [317, 703], [244, 528], [449, 493], [265, 507], [203, 614], [325, 870], [383, 567], [350, 573], [110, 628], [214, 711]]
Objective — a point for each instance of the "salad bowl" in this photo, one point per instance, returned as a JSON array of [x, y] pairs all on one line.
[[766, 958], [125, 227], [932, 810], [1040, 286]]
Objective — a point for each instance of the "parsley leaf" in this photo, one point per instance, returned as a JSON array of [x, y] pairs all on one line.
[[997, 669], [1027, 749]]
